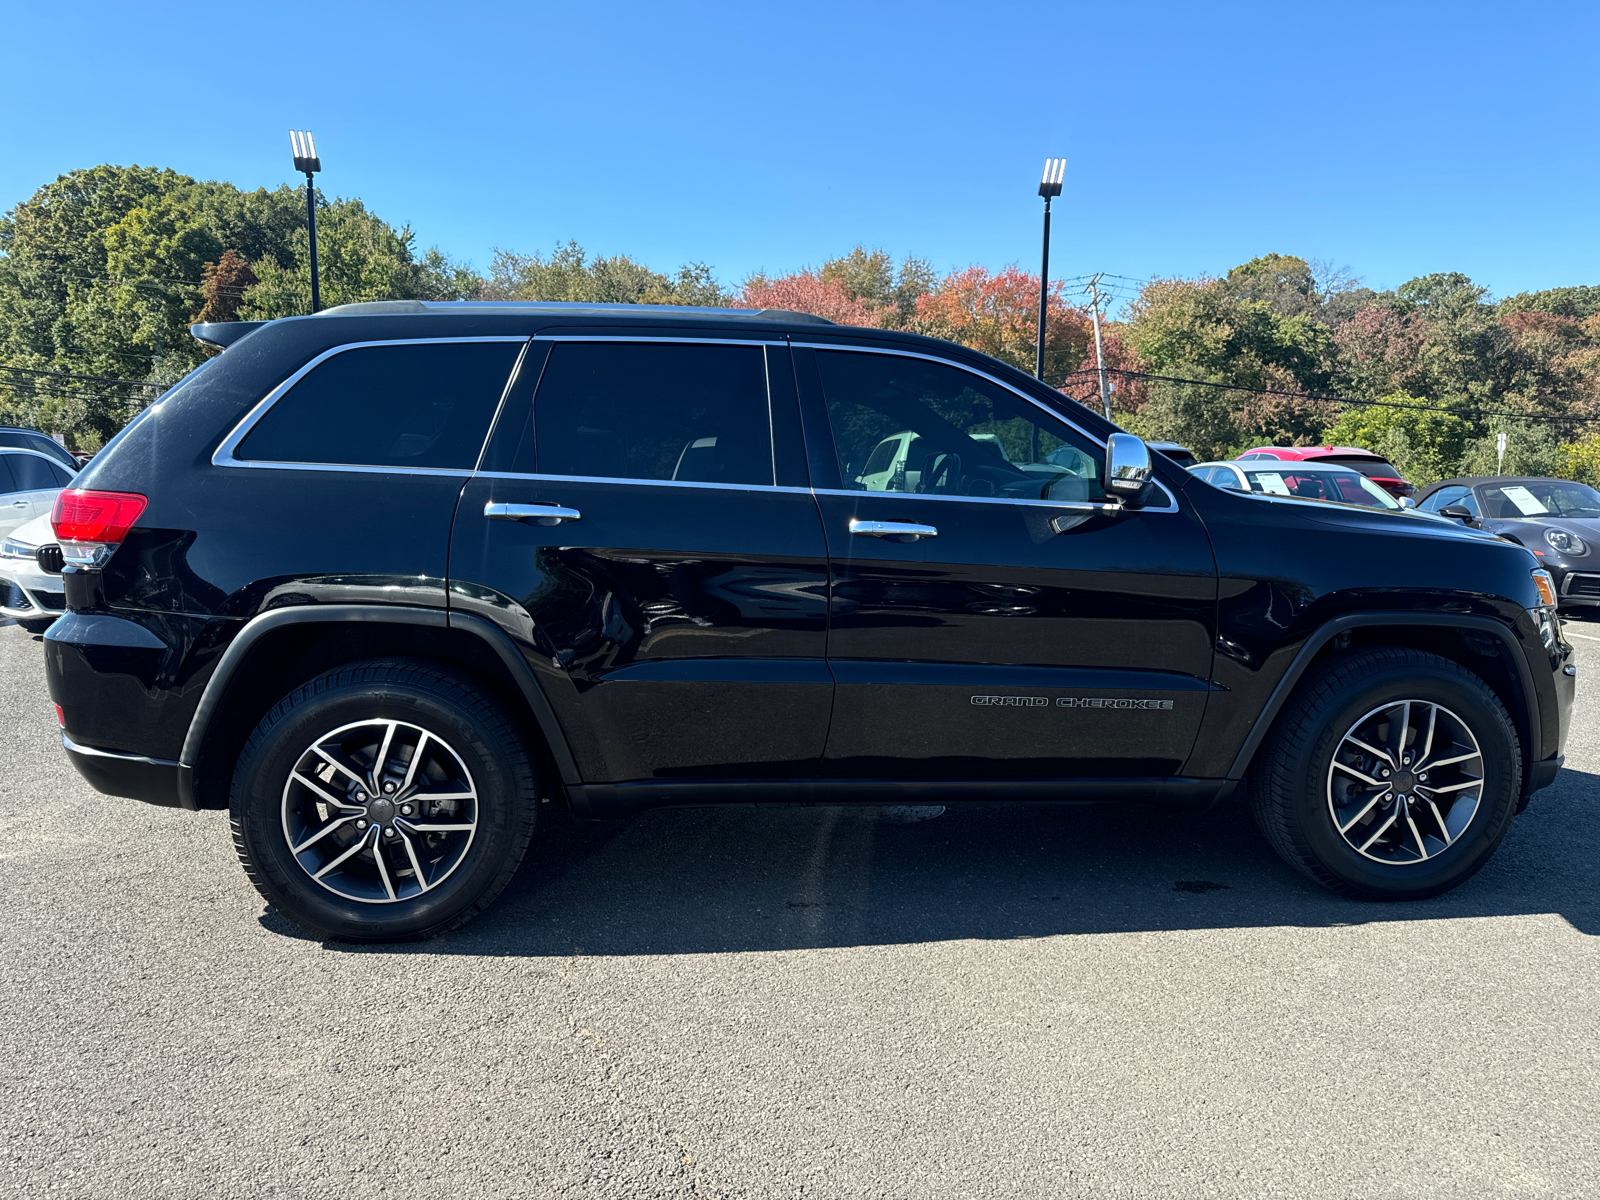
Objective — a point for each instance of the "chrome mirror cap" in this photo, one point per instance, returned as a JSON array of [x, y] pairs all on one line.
[[1127, 464], [1407, 502]]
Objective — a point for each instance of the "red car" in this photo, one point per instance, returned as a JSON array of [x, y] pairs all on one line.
[[1374, 466]]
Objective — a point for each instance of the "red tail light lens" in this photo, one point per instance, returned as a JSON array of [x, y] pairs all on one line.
[[104, 517]]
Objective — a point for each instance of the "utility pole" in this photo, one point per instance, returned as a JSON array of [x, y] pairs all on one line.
[[1049, 188], [305, 159], [1099, 351]]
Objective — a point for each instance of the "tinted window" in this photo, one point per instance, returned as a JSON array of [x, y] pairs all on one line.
[[28, 440], [8, 482], [1376, 468], [1443, 497], [909, 425], [694, 413], [418, 405], [33, 473]]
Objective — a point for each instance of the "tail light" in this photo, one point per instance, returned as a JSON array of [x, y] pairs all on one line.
[[91, 525]]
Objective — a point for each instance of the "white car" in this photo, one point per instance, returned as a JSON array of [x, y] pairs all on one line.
[[28, 592], [29, 481]]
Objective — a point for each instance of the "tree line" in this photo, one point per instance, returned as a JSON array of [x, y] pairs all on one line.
[[103, 270]]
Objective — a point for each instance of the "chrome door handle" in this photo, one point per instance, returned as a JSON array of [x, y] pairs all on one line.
[[538, 514], [907, 531], [19, 504]]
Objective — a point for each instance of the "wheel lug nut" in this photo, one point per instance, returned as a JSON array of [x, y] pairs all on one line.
[[388, 787], [360, 824], [1423, 777], [406, 808], [1386, 772]]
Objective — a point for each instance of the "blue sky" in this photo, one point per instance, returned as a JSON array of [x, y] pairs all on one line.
[[1393, 138]]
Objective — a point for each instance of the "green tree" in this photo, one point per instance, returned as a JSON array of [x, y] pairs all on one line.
[[569, 274], [1426, 445]]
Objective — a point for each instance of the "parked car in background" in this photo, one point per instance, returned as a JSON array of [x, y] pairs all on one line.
[[1557, 519], [31, 587], [1181, 455], [1374, 466], [14, 437], [1326, 482], [29, 481]]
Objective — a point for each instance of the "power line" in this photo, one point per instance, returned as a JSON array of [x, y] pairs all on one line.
[[85, 378], [1323, 397]]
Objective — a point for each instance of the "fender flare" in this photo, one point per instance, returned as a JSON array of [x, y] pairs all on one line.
[[1332, 629], [216, 688]]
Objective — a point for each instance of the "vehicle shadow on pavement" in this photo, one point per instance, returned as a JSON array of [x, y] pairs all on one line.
[[685, 881]]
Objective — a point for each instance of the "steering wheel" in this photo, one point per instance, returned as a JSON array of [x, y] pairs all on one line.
[[941, 474]]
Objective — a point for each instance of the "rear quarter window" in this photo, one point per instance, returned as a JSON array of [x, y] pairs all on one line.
[[411, 404]]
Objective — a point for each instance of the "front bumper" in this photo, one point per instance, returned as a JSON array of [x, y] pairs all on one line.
[[1579, 589], [26, 591]]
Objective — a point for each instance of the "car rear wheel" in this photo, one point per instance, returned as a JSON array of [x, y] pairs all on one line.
[[385, 801], [1392, 775]]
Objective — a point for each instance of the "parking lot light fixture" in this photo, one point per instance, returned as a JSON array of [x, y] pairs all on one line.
[[306, 160], [1049, 188]]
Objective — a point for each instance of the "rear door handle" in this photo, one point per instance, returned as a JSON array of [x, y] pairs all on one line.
[[900, 531], [536, 514]]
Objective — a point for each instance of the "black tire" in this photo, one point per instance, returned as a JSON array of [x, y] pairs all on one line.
[[1290, 789], [474, 732]]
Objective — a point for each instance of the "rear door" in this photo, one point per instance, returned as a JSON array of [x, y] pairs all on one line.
[[982, 626], [673, 602], [16, 504]]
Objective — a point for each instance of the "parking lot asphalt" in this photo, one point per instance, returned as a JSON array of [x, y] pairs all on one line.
[[1004, 1001]]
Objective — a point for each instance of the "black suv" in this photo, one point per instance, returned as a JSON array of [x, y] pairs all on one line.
[[385, 580]]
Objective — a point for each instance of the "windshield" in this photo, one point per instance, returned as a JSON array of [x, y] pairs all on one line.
[[1537, 498], [1332, 485]]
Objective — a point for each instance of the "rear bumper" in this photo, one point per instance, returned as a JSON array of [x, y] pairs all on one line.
[[153, 780]]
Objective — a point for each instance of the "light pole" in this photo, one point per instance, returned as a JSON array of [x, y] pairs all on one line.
[[305, 159], [1049, 188]]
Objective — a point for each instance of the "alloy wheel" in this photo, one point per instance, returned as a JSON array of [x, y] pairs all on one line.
[[1405, 782], [379, 811]]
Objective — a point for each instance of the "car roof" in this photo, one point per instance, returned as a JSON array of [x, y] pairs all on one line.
[[1473, 481], [1298, 464], [1299, 453]]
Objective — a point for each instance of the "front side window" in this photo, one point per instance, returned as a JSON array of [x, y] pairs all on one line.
[[686, 412], [416, 404], [1443, 498], [8, 481], [1540, 498], [905, 424]]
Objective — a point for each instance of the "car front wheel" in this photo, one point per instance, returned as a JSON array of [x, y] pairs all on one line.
[[385, 801], [1392, 775]]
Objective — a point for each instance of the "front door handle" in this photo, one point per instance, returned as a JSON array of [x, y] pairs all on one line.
[[534, 514], [895, 531]]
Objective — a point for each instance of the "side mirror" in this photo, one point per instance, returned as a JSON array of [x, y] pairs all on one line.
[[1407, 502], [1459, 511], [1127, 466]]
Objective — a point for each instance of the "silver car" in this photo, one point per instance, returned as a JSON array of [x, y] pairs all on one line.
[[31, 589]]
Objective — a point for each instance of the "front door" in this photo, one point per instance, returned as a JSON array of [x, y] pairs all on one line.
[[674, 600], [973, 634]]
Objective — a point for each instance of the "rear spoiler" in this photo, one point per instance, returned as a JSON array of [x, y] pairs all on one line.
[[223, 334]]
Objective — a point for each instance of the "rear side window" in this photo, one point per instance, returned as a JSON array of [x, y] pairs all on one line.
[[669, 411], [33, 473], [419, 404], [8, 482]]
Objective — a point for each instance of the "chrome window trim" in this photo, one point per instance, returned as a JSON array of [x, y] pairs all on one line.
[[223, 455], [665, 335], [1171, 505]]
